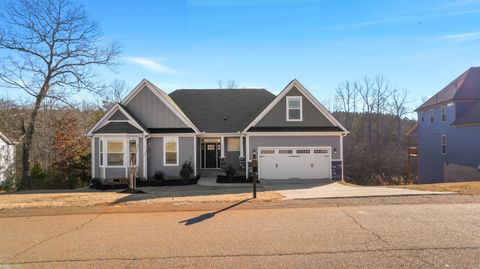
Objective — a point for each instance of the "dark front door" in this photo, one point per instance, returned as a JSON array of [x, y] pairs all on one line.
[[211, 155]]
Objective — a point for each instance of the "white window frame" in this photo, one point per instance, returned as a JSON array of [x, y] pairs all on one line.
[[106, 151], [443, 113], [101, 153], [165, 140], [443, 144], [301, 107], [432, 116], [228, 144]]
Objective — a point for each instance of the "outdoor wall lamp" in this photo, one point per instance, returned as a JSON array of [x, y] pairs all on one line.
[[254, 154], [335, 150]]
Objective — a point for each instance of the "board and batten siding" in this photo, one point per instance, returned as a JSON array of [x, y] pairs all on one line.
[[295, 141], [156, 155], [152, 112], [278, 115]]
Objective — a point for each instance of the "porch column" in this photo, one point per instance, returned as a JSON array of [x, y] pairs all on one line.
[[93, 156], [195, 155], [222, 147], [247, 158], [241, 147], [145, 157]]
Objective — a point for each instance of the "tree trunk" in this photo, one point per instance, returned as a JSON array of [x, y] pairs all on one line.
[[28, 137]]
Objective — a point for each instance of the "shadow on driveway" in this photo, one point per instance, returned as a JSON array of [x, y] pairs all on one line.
[[206, 216]]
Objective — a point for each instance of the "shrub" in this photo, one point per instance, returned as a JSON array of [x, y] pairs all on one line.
[[10, 183], [159, 175], [187, 171], [230, 172]]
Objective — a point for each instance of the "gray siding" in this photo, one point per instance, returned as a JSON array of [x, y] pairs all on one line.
[[114, 173], [118, 115], [155, 156], [277, 117], [118, 128], [152, 112], [97, 157], [295, 141], [231, 157], [463, 147]]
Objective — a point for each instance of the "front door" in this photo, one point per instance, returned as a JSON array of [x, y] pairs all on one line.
[[211, 155]]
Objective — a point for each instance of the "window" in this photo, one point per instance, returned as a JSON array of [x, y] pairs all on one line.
[[303, 151], [444, 116], [431, 115], [267, 151], [115, 153], [294, 108], [233, 143], [285, 151], [132, 152], [101, 152], [422, 115], [320, 151], [444, 144], [170, 144]]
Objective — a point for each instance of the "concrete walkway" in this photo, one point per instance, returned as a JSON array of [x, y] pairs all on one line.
[[327, 189]]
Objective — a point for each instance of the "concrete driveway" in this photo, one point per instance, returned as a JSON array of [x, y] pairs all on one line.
[[309, 189]]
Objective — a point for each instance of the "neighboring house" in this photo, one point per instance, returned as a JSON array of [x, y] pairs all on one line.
[[292, 134], [7, 157], [448, 130]]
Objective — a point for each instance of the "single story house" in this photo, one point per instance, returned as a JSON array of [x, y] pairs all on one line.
[[447, 132], [291, 134]]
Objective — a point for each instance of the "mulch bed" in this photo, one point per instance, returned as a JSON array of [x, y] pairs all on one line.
[[145, 183], [235, 179]]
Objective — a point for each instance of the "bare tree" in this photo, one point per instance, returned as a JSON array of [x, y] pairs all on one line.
[[114, 93], [365, 89], [346, 97], [381, 95], [399, 109], [51, 48], [229, 84]]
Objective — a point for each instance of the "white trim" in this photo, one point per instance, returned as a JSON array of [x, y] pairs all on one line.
[[145, 155], [295, 133], [219, 134], [164, 98], [247, 157], [295, 83], [195, 155], [222, 147], [165, 151], [341, 154], [104, 120], [288, 108], [241, 147], [171, 134], [93, 157]]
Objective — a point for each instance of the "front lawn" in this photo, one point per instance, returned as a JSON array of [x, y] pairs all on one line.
[[470, 187]]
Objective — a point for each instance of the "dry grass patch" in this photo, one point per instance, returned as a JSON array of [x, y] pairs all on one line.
[[471, 187]]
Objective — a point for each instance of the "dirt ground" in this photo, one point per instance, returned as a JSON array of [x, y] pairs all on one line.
[[88, 197]]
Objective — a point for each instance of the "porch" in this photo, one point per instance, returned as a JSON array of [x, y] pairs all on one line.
[[219, 152]]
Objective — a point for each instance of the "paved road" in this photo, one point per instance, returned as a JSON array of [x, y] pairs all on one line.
[[367, 236]]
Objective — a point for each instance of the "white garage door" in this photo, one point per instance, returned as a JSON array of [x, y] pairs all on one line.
[[294, 162]]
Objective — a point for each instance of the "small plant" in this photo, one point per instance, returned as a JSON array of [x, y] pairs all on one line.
[[9, 184], [230, 172], [187, 171], [159, 175]]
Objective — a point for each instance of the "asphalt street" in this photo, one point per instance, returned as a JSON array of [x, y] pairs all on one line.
[[366, 236]]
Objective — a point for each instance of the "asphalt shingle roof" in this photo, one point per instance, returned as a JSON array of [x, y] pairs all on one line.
[[464, 87], [471, 116], [222, 110]]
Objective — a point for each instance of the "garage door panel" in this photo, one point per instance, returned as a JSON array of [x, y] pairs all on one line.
[[288, 163]]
